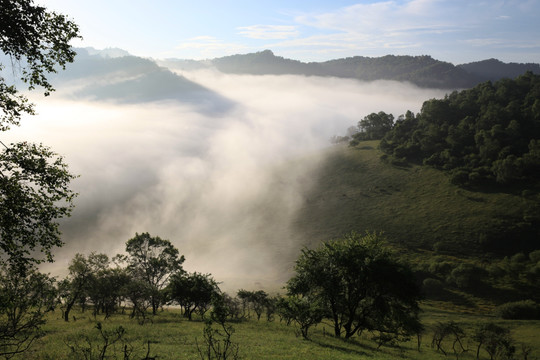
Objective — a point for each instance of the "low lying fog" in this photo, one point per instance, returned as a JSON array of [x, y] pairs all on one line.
[[223, 188]]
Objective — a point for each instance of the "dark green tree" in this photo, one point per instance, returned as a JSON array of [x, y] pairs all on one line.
[[374, 126], [192, 291], [303, 311], [34, 181], [34, 191], [153, 260], [25, 298], [37, 42], [75, 285], [487, 134], [496, 340], [360, 284]]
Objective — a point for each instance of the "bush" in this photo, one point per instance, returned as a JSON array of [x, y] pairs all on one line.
[[466, 276], [535, 256], [432, 286], [519, 310]]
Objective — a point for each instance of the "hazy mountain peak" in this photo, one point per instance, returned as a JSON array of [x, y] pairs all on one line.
[[107, 52]]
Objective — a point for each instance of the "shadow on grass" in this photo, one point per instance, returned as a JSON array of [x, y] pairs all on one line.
[[343, 349]]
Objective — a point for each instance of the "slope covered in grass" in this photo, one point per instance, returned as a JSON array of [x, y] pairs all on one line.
[[415, 206]]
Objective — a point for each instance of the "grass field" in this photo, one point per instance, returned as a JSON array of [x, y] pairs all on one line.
[[414, 205], [353, 190], [173, 337]]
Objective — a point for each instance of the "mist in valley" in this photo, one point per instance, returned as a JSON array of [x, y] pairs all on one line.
[[222, 175]]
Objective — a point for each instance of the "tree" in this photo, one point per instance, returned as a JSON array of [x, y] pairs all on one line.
[[193, 291], [495, 339], [34, 181], [360, 284], [37, 41], [34, 194], [374, 126], [256, 300], [153, 260], [303, 311], [34, 191], [75, 285], [25, 298]]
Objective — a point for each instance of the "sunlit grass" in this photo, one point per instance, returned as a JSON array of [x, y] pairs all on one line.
[[173, 337]]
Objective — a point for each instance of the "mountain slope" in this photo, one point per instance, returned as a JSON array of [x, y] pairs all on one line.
[[124, 78], [493, 69], [415, 206], [423, 71]]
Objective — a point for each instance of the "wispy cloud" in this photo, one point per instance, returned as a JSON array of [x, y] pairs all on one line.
[[268, 31], [440, 28], [210, 46], [225, 189]]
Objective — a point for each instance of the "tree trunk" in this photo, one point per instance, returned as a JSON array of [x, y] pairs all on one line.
[[68, 309]]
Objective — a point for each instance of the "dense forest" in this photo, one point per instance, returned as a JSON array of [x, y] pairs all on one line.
[[487, 141], [490, 133]]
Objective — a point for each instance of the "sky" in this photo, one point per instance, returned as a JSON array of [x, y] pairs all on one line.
[[457, 31]]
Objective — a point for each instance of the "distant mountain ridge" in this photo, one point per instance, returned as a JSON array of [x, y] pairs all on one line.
[[115, 75], [423, 71]]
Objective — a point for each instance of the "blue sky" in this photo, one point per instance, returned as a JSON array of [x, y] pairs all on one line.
[[457, 31]]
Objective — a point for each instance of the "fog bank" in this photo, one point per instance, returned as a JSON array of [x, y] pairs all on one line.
[[223, 186]]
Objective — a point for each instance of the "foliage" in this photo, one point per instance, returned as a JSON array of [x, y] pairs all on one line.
[[519, 310], [361, 286], [489, 133], [153, 260], [93, 279], [25, 298], [303, 311], [452, 330], [373, 127], [217, 343], [495, 339], [192, 291], [34, 194], [258, 301], [38, 41], [34, 191]]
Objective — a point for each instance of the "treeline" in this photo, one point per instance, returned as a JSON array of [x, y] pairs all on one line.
[[423, 71], [489, 134], [355, 284]]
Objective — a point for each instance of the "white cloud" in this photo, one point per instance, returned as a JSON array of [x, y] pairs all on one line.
[[268, 31], [224, 188]]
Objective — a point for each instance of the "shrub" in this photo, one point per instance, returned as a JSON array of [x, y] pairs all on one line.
[[535, 256], [467, 276], [496, 340], [432, 286], [519, 310]]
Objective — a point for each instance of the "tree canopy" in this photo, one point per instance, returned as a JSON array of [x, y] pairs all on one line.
[[490, 133], [34, 191], [361, 286], [153, 260], [37, 41]]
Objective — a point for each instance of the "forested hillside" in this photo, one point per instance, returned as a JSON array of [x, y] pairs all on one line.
[[423, 71], [488, 134], [461, 175]]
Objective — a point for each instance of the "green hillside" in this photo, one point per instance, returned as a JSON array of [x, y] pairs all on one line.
[[415, 206]]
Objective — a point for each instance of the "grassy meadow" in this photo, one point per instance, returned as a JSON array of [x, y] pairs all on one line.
[[413, 205], [172, 336], [425, 218]]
